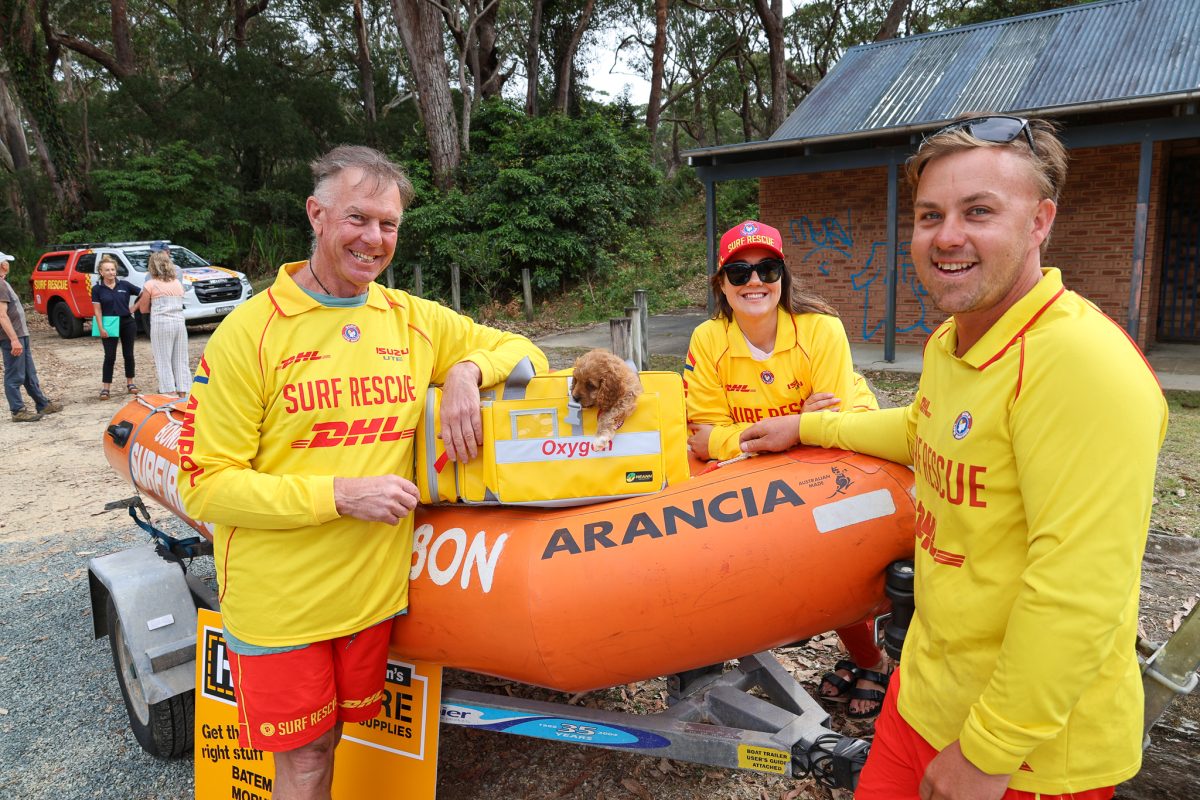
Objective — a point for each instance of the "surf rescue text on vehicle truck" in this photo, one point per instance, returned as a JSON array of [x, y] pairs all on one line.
[[64, 276]]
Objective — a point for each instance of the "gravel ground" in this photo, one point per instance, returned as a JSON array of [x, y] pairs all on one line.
[[63, 729], [64, 732]]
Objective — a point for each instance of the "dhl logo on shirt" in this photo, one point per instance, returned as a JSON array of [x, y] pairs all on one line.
[[737, 387], [307, 355], [359, 431], [927, 533]]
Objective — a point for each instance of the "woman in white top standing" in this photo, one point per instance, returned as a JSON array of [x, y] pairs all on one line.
[[162, 295]]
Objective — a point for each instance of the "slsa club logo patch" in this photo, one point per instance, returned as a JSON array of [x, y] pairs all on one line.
[[962, 425], [351, 333], [749, 228], [767, 377]]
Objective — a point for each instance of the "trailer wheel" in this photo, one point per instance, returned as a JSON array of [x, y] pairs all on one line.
[[163, 729], [67, 324]]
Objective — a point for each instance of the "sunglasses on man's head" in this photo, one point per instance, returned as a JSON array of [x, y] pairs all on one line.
[[998, 128], [738, 272]]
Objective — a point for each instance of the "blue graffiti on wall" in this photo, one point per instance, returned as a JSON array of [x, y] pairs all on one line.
[[828, 236], [876, 271], [832, 244]]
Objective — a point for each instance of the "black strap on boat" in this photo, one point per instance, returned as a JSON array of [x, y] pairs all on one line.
[[167, 545]]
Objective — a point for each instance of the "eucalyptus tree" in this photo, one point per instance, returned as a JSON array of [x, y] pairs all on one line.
[[31, 54], [421, 29], [564, 25]]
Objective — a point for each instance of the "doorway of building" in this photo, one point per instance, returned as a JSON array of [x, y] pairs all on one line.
[[1179, 297]]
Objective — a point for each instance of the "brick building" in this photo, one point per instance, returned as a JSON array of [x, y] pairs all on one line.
[[1121, 77]]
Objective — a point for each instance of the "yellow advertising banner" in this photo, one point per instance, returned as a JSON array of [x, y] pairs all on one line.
[[391, 756]]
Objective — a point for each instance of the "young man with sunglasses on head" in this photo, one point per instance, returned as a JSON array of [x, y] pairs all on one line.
[[1034, 437], [772, 350]]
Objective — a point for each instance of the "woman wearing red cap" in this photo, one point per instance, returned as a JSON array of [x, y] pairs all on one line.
[[775, 350]]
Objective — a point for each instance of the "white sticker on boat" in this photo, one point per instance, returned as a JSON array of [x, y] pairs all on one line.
[[853, 510]]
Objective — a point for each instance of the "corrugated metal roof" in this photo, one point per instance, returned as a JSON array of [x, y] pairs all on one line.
[[1095, 53]]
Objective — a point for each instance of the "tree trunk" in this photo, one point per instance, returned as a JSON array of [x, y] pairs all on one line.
[[242, 14], [420, 26], [772, 20], [366, 71], [656, 66], [532, 53], [16, 153], [567, 65], [488, 76], [122, 45], [31, 78], [891, 24]]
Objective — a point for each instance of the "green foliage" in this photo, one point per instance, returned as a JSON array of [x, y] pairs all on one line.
[[174, 193], [952, 15], [736, 201], [558, 195], [1177, 495]]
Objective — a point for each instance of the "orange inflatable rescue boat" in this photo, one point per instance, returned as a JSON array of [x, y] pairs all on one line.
[[736, 560]]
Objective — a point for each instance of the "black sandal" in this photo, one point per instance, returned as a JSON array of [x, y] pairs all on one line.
[[845, 688], [870, 695]]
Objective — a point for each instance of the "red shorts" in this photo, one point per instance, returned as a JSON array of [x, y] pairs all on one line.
[[286, 700], [899, 756]]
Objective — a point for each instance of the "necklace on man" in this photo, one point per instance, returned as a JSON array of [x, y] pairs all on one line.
[[318, 280]]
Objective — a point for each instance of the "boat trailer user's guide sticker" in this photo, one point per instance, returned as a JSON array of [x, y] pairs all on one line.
[[763, 759], [397, 748]]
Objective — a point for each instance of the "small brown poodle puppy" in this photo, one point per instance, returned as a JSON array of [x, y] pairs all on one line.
[[606, 382]]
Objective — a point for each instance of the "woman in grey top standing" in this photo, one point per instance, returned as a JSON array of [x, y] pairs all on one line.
[[162, 294]]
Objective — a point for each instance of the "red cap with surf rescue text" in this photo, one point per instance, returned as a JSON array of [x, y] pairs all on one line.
[[748, 234]]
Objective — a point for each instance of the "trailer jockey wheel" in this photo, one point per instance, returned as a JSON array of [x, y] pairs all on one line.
[[163, 729], [899, 588]]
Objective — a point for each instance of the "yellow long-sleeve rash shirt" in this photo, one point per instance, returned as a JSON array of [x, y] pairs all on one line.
[[728, 389], [1035, 456], [289, 395]]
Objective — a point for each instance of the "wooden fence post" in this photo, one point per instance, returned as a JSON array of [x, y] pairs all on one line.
[[418, 289], [391, 275], [642, 300], [622, 340], [455, 300], [635, 336], [527, 289]]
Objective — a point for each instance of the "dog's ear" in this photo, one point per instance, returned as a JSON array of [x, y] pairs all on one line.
[[610, 389]]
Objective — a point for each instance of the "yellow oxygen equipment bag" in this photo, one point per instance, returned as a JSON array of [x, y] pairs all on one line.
[[537, 446]]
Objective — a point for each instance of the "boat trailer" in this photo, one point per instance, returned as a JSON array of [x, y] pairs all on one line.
[[754, 715]]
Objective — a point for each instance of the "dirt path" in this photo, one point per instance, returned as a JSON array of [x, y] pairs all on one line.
[[60, 459], [57, 481]]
